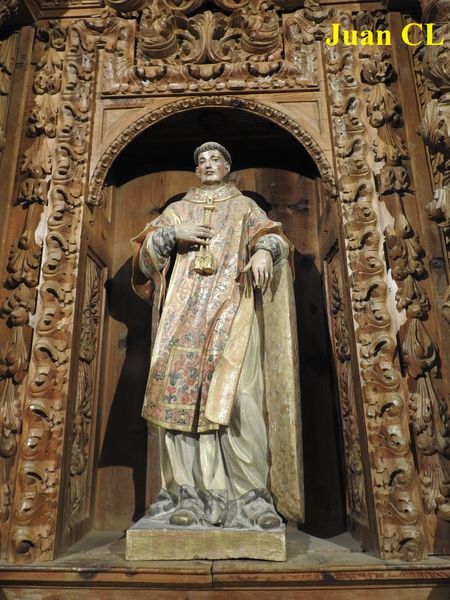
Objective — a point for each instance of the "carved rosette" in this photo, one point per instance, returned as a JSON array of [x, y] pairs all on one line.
[[397, 506], [67, 71]]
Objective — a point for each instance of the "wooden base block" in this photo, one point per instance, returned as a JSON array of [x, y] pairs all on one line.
[[150, 540]]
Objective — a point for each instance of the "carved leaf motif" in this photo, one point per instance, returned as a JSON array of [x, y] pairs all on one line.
[[37, 160], [382, 106], [430, 418], [119, 68], [436, 63], [18, 306], [10, 417], [433, 128], [419, 351], [389, 145], [376, 65], [439, 208], [48, 77], [405, 254], [14, 357], [394, 179], [33, 191], [42, 119], [24, 258]]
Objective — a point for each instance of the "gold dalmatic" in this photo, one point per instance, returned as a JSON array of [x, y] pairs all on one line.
[[203, 330]]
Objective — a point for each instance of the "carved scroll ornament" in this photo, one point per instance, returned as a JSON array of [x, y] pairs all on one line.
[[65, 70], [393, 477], [254, 47]]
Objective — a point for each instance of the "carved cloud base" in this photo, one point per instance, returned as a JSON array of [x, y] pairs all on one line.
[[149, 539]]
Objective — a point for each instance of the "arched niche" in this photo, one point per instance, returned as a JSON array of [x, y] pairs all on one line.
[[156, 167]]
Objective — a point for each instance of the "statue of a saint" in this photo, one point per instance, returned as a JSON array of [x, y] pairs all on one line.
[[222, 388]]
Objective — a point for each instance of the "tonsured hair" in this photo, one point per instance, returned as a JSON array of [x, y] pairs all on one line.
[[212, 146]]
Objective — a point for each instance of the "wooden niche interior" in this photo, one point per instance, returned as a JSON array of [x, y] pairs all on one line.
[[272, 167]]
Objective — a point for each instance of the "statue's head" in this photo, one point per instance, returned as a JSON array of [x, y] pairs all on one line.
[[213, 163]]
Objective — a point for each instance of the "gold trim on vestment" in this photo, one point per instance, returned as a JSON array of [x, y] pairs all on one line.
[[194, 193], [222, 391], [184, 428]]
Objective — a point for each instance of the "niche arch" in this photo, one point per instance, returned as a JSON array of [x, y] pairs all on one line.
[[116, 141]]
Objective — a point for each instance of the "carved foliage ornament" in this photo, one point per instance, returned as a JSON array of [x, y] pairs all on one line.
[[68, 70], [255, 47], [267, 112], [187, 7], [406, 254], [356, 493], [392, 469], [77, 503]]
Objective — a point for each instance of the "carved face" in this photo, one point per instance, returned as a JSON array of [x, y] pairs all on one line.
[[212, 167]]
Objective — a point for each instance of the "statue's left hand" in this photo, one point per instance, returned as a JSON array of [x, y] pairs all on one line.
[[261, 264]]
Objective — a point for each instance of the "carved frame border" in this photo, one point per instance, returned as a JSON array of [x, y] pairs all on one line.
[[154, 115]]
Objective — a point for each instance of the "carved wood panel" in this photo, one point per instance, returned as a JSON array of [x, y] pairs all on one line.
[[343, 349], [423, 343], [251, 45], [81, 442], [65, 69], [17, 310], [130, 50], [393, 477]]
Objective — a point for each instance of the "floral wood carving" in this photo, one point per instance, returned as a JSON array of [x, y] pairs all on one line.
[[66, 70], [406, 260], [18, 306], [432, 68], [255, 47], [393, 477], [356, 488]]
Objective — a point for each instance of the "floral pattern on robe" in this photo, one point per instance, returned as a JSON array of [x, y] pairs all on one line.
[[199, 309]]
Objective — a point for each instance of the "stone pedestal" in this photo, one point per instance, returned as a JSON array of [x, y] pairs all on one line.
[[149, 539]]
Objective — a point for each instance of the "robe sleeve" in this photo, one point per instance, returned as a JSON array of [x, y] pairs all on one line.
[[263, 233], [150, 262]]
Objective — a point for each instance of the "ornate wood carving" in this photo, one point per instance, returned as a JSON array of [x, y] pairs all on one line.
[[434, 84], [428, 402], [398, 520], [81, 453], [239, 46], [66, 70], [356, 486], [127, 135], [17, 308], [250, 45]]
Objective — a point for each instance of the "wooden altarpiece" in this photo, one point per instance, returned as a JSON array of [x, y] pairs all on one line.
[[100, 108]]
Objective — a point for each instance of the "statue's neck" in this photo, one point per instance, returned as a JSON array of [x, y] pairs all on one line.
[[212, 188]]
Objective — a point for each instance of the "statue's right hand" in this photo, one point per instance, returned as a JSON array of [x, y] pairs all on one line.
[[193, 233]]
